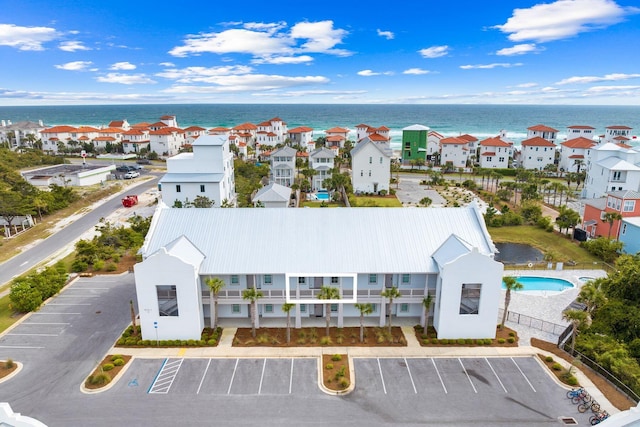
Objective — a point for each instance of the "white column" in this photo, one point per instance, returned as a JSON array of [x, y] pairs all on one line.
[[383, 312], [298, 317], [340, 316]]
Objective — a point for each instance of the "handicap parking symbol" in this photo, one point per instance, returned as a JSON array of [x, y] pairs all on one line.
[[133, 383]]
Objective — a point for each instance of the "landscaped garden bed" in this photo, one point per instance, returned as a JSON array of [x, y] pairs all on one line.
[[313, 337], [505, 337], [106, 371], [336, 375], [209, 338], [7, 367]]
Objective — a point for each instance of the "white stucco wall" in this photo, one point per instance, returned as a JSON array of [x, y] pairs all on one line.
[[159, 269]]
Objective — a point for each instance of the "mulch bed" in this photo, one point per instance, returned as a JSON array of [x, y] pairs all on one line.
[[112, 373], [4, 371], [314, 337], [617, 399], [336, 375], [503, 336]]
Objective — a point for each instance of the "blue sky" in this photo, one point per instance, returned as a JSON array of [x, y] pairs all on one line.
[[416, 51]]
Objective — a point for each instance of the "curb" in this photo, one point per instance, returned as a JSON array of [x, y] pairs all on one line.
[[113, 381], [14, 373]]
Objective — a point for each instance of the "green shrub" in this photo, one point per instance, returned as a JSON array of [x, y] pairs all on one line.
[[116, 258], [336, 357], [460, 341], [212, 342], [511, 340], [548, 359], [9, 364], [426, 341], [512, 334], [328, 366], [501, 340], [325, 341], [557, 367], [111, 267], [344, 382], [434, 340], [341, 372], [571, 380], [107, 367], [78, 266], [115, 357], [100, 379], [469, 341], [98, 265], [118, 362]]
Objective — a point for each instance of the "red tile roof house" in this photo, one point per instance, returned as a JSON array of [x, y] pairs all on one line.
[[340, 134], [494, 153], [542, 131], [454, 151], [574, 154], [612, 132], [537, 153], [625, 203]]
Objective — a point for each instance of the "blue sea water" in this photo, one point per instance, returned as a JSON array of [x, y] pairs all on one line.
[[482, 121]]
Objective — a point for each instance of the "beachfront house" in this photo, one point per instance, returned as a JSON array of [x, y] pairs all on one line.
[[595, 221], [20, 134], [574, 153], [375, 133], [272, 195], [537, 153], [473, 146], [454, 152], [166, 141], [271, 132], [630, 235], [245, 132], [283, 166], [56, 137], [544, 132], [494, 153], [122, 124], [134, 140], [581, 131], [302, 136], [616, 134], [336, 137], [206, 172], [192, 133], [371, 166], [414, 143], [611, 167], [446, 253], [321, 161]]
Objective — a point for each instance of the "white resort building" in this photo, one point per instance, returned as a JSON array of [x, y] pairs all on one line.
[[446, 253], [371, 166]]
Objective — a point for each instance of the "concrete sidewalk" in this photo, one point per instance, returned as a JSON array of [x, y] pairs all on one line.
[[225, 349]]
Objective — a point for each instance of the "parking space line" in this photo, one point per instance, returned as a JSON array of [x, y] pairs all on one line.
[[20, 346], [165, 378], [410, 376], [522, 373], [55, 303], [35, 335], [203, 376], [233, 376], [45, 323], [384, 388], [264, 365], [467, 374], [496, 374], [291, 376], [79, 296], [438, 372], [157, 374], [38, 313]]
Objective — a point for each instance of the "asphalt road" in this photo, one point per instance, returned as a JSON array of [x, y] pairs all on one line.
[[52, 244]]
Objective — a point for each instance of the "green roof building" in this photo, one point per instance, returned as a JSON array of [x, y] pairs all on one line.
[[414, 142]]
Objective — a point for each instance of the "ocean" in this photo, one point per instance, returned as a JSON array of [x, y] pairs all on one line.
[[481, 121]]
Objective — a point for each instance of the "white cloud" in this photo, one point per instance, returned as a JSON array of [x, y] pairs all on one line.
[[74, 66], [526, 85], [122, 66], [416, 71], [490, 66], [434, 51], [562, 19], [72, 46], [203, 74], [594, 79], [369, 73], [26, 38], [519, 49], [247, 82], [267, 40], [300, 93], [600, 89], [279, 60], [386, 34], [167, 64], [125, 79]]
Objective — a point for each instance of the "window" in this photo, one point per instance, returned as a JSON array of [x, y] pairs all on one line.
[[602, 215], [624, 228], [616, 176], [369, 173], [301, 281], [202, 188], [268, 279], [370, 160], [303, 308], [404, 308], [234, 279], [167, 300], [361, 172], [501, 159], [373, 279], [470, 298], [380, 160], [629, 206], [334, 280], [178, 189], [406, 278], [235, 308], [334, 308], [268, 308]]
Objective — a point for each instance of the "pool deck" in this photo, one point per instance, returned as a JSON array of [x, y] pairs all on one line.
[[545, 305]]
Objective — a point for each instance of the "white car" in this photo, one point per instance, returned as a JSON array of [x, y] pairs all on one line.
[[131, 174]]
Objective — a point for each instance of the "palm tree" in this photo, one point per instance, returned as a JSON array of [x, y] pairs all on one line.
[[215, 285], [426, 303], [577, 319], [592, 295], [390, 293], [611, 217], [328, 293], [365, 308], [253, 295], [511, 284], [286, 307], [395, 168]]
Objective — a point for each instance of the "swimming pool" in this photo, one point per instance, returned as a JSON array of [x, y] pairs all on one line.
[[322, 195], [534, 283]]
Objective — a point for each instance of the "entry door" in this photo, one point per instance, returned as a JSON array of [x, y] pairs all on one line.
[[388, 280], [318, 310], [251, 280], [316, 283]]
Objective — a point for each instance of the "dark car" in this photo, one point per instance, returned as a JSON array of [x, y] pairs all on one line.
[[143, 161], [125, 168]]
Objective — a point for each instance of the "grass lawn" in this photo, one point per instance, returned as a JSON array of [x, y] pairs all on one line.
[[559, 246], [7, 317], [372, 201]]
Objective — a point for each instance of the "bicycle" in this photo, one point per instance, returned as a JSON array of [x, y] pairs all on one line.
[[578, 395], [593, 405], [598, 418]]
